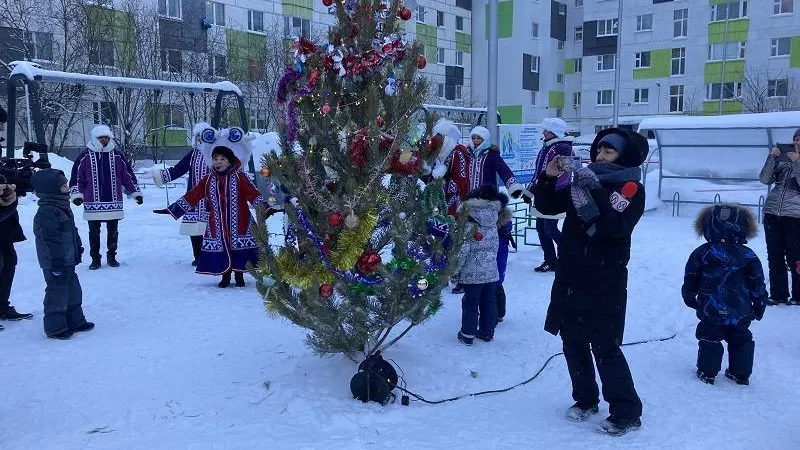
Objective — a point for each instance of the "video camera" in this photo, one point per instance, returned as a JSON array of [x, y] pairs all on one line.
[[19, 171]]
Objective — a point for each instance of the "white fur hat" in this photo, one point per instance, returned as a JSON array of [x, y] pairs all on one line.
[[447, 128], [197, 130], [234, 138], [102, 130], [483, 132], [555, 125]]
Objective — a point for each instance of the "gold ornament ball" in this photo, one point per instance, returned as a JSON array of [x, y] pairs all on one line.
[[422, 284], [351, 221]]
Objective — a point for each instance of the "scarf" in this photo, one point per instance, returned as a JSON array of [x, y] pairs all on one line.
[[592, 177], [60, 201]]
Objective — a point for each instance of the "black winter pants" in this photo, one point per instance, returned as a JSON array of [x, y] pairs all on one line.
[[63, 299], [618, 389], [112, 229], [783, 249], [740, 348], [8, 266]]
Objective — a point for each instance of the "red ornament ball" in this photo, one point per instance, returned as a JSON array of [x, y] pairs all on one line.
[[335, 219], [421, 62], [367, 262], [478, 236], [380, 121], [326, 108], [326, 290], [327, 2], [405, 14]]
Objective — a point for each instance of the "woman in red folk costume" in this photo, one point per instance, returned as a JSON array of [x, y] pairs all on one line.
[[228, 243], [452, 164]]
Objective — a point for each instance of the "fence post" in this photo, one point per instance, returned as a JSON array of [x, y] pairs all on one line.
[[676, 204]]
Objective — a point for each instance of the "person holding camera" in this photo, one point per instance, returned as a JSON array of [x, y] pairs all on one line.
[[556, 144], [603, 204], [99, 177], [782, 222]]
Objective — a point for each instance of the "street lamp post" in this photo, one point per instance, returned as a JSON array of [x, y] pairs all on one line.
[[617, 62], [491, 79]]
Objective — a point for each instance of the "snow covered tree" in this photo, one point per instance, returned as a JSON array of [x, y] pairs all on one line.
[[368, 246]]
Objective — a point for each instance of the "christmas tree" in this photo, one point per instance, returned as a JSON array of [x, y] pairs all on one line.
[[368, 246]]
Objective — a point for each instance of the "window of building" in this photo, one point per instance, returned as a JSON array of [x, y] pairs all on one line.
[[533, 98], [676, 98], [459, 58], [440, 55], [605, 62], [258, 120], [641, 59], [535, 64], [607, 27], [730, 10], [780, 46], [726, 90], [170, 8], [680, 22], [578, 3], [459, 23], [457, 92], [215, 13], [778, 88], [534, 30], [171, 61], [440, 90], [217, 66], [733, 50], [605, 97], [644, 22], [255, 21], [576, 99], [562, 9], [105, 113], [782, 6], [440, 18], [102, 54], [560, 78], [560, 45], [40, 45], [173, 116], [295, 27], [578, 34], [578, 65], [641, 95], [678, 61], [599, 128], [420, 13]]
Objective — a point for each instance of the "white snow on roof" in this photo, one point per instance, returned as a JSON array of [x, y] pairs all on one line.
[[31, 71], [786, 119]]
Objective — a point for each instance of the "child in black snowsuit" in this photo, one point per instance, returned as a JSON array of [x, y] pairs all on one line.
[[58, 246], [724, 282]]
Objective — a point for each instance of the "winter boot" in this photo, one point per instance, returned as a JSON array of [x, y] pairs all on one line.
[[707, 379], [95, 263], [740, 381], [112, 260], [63, 336], [225, 281], [11, 314], [88, 326], [793, 302], [776, 301], [464, 339], [239, 277], [614, 426], [484, 336], [2, 328], [547, 266], [458, 289], [579, 413], [500, 297]]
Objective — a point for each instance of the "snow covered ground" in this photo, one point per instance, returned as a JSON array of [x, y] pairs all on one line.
[[177, 363]]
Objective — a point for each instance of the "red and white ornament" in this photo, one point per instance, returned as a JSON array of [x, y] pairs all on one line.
[[326, 108]]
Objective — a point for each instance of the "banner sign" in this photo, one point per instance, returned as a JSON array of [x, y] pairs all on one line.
[[519, 146]]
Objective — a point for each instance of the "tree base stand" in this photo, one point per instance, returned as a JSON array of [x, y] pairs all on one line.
[[374, 381]]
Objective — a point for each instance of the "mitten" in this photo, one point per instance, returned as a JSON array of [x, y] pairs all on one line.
[[78, 201], [161, 211], [758, 310], [139, 200], [584, 177]]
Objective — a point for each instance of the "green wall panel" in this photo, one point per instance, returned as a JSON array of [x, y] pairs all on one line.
[[116, 26], [505, 20], [794, 59], [463, 42], [154, 119], [660, 64], [243, 47], [426, 35], [728, 107], [555, 99], [569, 66], [303, 9], [737, 31], [510, 114], [734, 71]]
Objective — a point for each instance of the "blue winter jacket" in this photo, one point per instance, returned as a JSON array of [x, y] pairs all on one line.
[[724, 279]]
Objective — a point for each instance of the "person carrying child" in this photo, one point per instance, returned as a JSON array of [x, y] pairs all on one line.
[[724, 283], [59, 249]]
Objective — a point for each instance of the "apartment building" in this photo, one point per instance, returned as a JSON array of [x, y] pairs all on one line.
[[200, 40], [677, 57]]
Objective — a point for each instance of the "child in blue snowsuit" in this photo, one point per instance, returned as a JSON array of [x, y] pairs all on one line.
[[724, 283]]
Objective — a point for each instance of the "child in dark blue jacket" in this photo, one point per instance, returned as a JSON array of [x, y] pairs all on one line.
[[724, 283]]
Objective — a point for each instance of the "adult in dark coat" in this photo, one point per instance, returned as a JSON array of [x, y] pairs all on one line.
[[10, 233], [587, 306]]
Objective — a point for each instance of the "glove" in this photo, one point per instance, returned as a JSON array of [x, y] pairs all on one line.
[[161, 211], [78, 201], [758, 310], [584, 177], [139, 200]]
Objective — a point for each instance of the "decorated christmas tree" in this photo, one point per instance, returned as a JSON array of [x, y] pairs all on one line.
[[368, 246]]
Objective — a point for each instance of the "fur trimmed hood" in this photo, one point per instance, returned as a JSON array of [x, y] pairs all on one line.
[[194, 139], [98, 132], [726, 222]]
